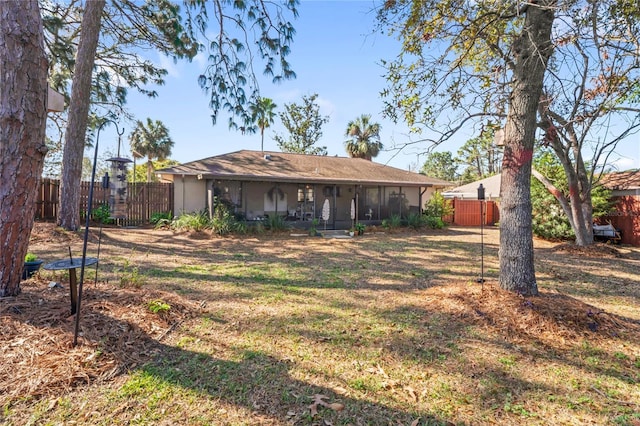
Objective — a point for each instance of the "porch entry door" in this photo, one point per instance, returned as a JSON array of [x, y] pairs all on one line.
[[276, 204]]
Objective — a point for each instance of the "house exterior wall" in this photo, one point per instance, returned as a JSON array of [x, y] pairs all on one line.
[[299, 201], [190, 194]]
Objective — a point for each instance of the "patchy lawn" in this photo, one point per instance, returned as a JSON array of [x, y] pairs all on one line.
[[382, 329]]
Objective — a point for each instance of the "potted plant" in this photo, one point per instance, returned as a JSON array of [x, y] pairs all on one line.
[[359, 228], [352, 231], [31, 265]]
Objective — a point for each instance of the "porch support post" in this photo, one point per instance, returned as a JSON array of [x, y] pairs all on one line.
[[210, 198], [335, 206], [380, 195], [420, 203]]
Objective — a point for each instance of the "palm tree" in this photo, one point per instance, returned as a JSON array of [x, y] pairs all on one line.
[[262, 114], [152, 141], [364, 138]]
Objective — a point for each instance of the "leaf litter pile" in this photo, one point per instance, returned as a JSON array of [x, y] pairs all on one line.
[[118, 332], [121, 331]]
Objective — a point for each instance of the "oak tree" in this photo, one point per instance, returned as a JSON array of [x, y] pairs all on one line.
[[467, 61]]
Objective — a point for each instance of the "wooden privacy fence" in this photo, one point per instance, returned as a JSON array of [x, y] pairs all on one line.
[[468, 212], [144, 199]]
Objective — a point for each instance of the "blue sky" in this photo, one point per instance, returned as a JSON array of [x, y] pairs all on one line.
[[336, 55]]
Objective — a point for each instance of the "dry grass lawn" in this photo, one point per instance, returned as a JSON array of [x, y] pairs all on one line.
[[383, 329]]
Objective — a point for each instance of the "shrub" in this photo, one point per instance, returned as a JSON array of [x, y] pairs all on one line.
[[30, 257], [434, 222], [160, 219], [191, 221], [435, 209], [415, 220], [395, 221], [102, 214], [276, 223]]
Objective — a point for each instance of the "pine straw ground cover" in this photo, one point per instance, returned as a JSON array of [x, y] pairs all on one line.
[[383, 329]]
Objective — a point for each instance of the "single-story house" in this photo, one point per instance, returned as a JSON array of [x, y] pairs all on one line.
[[298, 187]]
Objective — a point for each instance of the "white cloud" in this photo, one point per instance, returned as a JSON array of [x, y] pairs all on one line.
[[624, 163], [171, 67]]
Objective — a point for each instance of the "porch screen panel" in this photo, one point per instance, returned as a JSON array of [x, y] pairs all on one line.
[[371, 203]]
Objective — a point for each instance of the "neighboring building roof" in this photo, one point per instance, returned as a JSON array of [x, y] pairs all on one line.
[[622, 180], [285, 167], [470, 191]]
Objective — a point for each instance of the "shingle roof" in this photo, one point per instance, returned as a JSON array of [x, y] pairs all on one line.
[[622, 180], [470, 190], [285, 167]]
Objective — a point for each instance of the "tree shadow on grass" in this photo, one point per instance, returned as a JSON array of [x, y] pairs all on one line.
[[164, 383]]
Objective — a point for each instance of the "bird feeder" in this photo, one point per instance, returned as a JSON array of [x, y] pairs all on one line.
[[118, 184], [118, 187]]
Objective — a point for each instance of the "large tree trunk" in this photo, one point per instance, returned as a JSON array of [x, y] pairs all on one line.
[[23, 114], [69, 213], [531, 51]]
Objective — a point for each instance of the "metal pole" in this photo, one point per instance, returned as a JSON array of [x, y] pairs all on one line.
[[86, 231], [482, 243], [481, 199]]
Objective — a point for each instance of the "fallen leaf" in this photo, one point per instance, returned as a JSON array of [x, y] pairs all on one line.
[[411, 392], [415, 422], [336, 406]]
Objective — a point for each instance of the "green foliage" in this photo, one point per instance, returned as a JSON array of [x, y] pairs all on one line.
[[191, 222], [363, 138], [30, 257], [549, 219], [229, 77], [131, 276], [160, 219], [304, 124], [440, 165], [438, 206], [359, 228], [277, 223], [262, 115], [415, 220], [479, 156], [434, 222], [313, 229], [224, 220], [435, 209], [139, 173], [394, 221], [102, 214], [151, 140], [132, 28], [158, 307]]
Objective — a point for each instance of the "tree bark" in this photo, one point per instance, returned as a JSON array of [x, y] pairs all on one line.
[[23, 114], [531, 52], [69, 214]]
